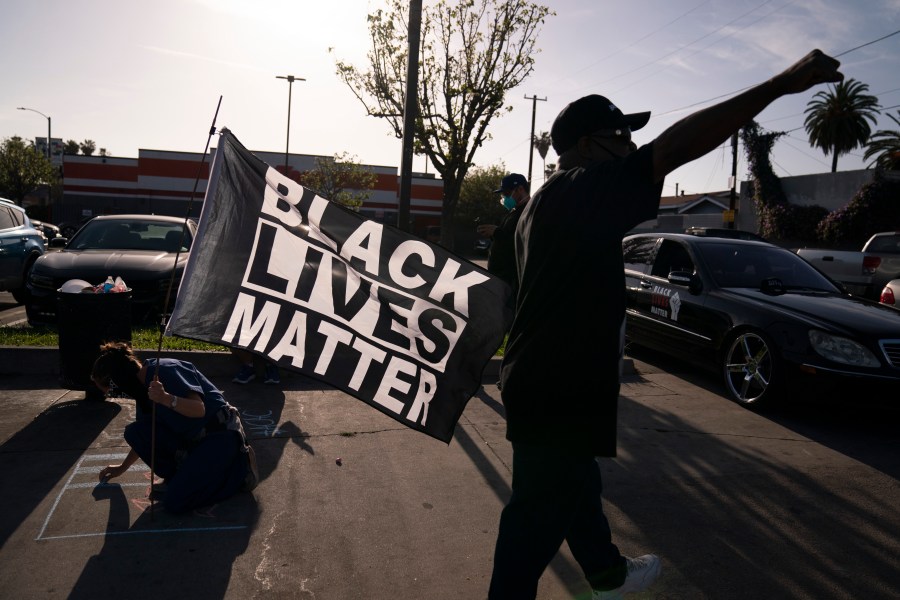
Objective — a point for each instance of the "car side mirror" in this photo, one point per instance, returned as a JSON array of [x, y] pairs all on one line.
[[58, 242], [687, 279]]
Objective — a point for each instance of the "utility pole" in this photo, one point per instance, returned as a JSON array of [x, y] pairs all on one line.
[[733, 201], [534, 101], [290, 79], [410, 108]]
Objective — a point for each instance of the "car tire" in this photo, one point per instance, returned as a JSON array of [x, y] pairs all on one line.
[[22, 295], [751, 369]]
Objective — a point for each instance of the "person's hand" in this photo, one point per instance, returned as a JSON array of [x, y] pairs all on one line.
[[486, 230], [158, 393], [814, 68], [111, 471]]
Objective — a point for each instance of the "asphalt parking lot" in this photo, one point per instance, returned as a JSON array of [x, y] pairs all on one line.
[[799, 502]]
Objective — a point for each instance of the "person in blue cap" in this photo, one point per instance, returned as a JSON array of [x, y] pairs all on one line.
[[502, 258], [561, 405], [201, 451]]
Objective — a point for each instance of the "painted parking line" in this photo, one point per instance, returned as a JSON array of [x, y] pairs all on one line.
[[91, 464]]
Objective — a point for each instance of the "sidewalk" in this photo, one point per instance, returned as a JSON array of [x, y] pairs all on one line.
[[402, 516]]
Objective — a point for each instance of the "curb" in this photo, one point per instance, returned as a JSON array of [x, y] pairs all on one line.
[[45, 360], [34, 360]]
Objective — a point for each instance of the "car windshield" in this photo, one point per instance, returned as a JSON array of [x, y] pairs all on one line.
[[733, 266], [131, 235]]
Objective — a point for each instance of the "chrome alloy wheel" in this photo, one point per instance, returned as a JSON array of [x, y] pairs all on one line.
[[749, 368]]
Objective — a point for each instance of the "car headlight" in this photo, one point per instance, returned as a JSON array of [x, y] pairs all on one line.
[[842, 350]]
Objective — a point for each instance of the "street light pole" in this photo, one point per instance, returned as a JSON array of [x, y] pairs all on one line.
[[290, 79], [48, 128]]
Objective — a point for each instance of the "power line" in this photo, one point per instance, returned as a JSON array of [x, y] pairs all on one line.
[[637, 41], [674, 110], [714, 42], [866, 44], [677, 50]]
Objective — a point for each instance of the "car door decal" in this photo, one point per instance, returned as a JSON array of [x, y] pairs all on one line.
[[665, 303]]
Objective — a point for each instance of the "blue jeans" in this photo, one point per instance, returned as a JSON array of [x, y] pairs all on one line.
[[205, 473], [556, 496]]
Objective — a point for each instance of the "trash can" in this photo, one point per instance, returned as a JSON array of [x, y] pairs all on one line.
[[85, 321]]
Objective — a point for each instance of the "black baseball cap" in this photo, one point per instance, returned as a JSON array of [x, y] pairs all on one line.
[[511, 182], [587, 115]]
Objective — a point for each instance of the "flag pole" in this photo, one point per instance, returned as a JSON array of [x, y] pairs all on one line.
[[162, 320]]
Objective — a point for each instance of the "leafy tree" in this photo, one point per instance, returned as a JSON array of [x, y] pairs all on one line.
[[472, 53], [836, 119], [22, 169], [71, 147], [340, 179], [778, 219], [873, 208], [884, 147], [104, 152], [88, 147], [478, 202]]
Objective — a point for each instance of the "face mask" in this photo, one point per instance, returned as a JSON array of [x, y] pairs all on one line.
[[508, 202]]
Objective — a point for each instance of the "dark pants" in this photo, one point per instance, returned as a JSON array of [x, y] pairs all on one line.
[[555, 497], [196, 474]]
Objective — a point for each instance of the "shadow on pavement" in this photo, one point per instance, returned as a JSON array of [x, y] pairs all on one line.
[[858, 419], [135, 561], [60, 434], [762, 521]]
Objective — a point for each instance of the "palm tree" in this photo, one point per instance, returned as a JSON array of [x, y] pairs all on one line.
[[884, 145], [836, 119], [542, 143]]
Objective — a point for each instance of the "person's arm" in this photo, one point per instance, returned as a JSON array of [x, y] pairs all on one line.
[[111, 471], [704, 130], [188, 405]]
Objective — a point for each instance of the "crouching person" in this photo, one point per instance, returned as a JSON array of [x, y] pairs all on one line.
[[202, 454]]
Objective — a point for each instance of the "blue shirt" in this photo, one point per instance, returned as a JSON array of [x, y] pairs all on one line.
[[180, 378]]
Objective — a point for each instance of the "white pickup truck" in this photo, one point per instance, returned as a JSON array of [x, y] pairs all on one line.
[[863, 273]]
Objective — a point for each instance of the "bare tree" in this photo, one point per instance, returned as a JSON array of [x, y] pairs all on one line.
[[473, 52]]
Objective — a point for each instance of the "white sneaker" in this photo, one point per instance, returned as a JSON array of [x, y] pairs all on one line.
[[642, 572]]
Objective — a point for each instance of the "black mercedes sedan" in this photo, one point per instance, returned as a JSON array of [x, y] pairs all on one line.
[[141, 249], [758, 314]]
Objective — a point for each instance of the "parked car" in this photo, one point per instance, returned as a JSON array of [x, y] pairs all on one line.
[[69, 228], [864, 272], [20, 246], [433, 234], [890, 294], [482, 246], [141, 249], [49, 230], [721, 232], [758, 314]]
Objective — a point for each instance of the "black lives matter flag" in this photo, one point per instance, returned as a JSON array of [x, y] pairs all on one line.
[[396, 322]]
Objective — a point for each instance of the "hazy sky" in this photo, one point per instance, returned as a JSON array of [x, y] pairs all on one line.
[[132, 75]]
